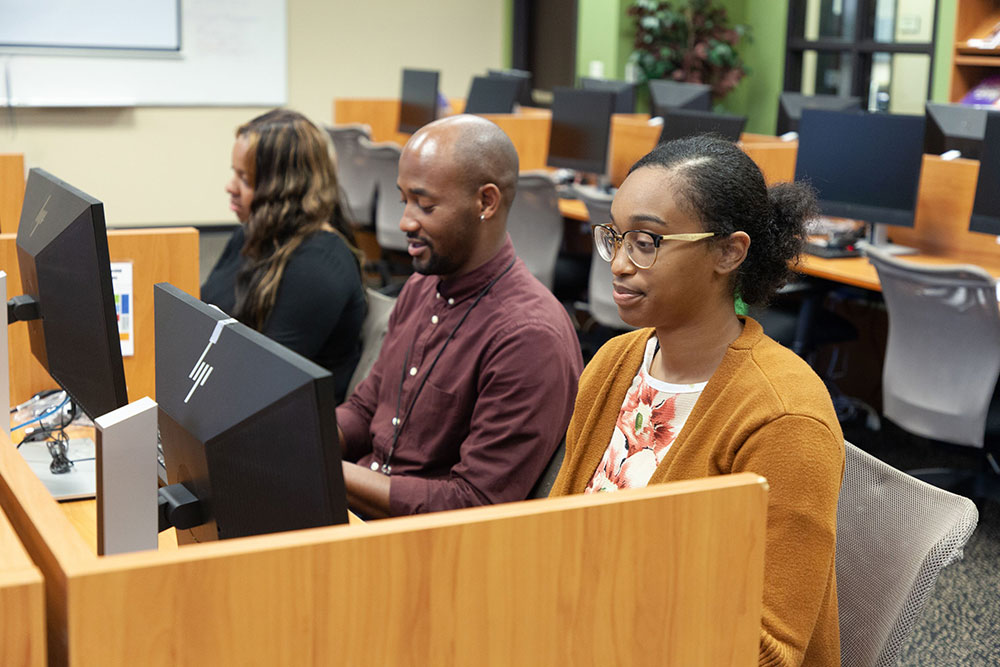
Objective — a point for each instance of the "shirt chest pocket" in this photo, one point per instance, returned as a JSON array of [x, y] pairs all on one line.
[[437, 426]]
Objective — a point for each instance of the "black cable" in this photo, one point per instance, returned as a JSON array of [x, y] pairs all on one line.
[[386, 465]]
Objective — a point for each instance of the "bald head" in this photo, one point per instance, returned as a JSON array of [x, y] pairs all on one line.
[[479, 152]]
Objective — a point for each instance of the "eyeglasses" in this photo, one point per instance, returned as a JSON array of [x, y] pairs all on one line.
[[640, 246]]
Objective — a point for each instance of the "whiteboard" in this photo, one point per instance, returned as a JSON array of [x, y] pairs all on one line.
[[108, 24], [233, 53]]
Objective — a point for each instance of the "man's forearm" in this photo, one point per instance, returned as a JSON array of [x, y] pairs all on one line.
[[367, 491]]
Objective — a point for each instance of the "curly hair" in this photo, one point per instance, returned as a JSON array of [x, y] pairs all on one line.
[[725, 189], [296, 193]]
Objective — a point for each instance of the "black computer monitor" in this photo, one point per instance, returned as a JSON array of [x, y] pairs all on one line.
[[791, 105], [864, 166], [492, 95], [623, 90], [68, 302], [680, 123], [679, 95], [581, 127], [986, 205], [418, 100], [523, 78], [955, 127], [247, 425]]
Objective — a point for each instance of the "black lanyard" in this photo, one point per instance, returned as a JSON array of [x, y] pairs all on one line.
[[398, 423]]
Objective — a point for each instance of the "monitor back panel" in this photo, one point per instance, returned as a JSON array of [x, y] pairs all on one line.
[[679, 123], [581, 127], [418, 100], [863, 166], [246, 424]]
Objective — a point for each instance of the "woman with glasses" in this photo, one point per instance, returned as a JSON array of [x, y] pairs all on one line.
[[701, 391]]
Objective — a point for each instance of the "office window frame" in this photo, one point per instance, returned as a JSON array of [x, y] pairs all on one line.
[[857, 49]]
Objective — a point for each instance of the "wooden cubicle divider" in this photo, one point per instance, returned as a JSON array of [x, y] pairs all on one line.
[[22, 602], [528, 129], [555, 581], [944, 206], [11, 191], [631, 137], [775, 158], [167, 254]]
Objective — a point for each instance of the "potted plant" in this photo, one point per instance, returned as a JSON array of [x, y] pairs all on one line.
[[687, 41]]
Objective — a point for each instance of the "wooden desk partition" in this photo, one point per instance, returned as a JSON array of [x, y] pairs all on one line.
[[667, 575], [11, 191], [22, 602], [529, 129], [157, 255]]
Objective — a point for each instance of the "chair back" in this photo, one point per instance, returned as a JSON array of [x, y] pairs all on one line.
[[373, 331], [894, 535], [600, 300], [356, 178], [942, 357], [384, 161], [548, 478], [535, 225]]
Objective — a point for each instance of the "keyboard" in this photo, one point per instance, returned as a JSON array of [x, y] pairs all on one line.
[[831, 252]]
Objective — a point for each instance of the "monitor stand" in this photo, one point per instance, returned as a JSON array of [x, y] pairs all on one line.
[[878, 236]]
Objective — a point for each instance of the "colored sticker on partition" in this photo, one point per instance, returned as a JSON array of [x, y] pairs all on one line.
[[121, 284]]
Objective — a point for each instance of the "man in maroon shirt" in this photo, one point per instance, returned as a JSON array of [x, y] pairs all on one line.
[[476, 379]]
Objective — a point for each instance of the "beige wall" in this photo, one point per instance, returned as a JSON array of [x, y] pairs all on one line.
[[168, 165]]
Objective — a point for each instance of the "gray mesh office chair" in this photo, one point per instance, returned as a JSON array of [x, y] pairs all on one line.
[[373, 331], [943, 352], [384, 161], [357, 180], [535, 224], [894, 535], [600, 301]]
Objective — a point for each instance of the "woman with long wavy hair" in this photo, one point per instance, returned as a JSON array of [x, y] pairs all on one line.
[[291, 270]]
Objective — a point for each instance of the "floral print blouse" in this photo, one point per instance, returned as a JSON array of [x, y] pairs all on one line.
[[652, 415]]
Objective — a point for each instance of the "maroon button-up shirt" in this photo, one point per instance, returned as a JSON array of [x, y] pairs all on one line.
[[494, 407]]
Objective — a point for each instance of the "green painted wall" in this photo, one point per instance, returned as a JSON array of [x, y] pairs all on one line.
[[941, 81], [603, 21], [601, 34]]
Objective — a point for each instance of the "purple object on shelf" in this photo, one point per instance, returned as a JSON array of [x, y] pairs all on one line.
[[986, 91]]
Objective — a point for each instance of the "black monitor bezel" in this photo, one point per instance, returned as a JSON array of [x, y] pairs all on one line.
[[812, 139], [417, 104]]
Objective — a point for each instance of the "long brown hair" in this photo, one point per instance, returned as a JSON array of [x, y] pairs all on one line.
[[296, 194]]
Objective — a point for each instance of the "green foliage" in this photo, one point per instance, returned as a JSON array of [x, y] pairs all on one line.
[[690, 42]]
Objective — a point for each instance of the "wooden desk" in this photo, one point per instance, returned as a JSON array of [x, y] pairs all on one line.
[[22, 602], [494, 585]]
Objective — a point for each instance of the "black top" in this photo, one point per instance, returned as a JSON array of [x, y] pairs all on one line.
[[320, 304]]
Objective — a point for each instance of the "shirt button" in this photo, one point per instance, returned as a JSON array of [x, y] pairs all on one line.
[[451, 302], [395, 421], [413, 371], [434, 319], [437, 295], [374, 465]]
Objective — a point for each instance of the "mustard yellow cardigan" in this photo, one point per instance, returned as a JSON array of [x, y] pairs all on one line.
[[762, 411]]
